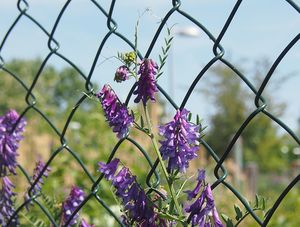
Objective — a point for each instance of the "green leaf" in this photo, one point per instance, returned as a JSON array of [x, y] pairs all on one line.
[[171, 38], [190, 116], [224, 217], [168, 48], [166, 41], [238, 212], [263, 203], [256, 201], [160, 59], [229, 223], [142, 122], [197, 119], [169, 31], [159, 74], [162, 64], [227, 220]]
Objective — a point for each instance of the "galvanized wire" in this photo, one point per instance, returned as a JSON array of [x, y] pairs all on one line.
[[112, 31]]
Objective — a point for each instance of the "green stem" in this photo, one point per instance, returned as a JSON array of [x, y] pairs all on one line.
[[169, 216], [244, 216], [164, 169]]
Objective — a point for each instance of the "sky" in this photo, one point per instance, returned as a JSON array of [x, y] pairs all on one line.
[[260, 30]]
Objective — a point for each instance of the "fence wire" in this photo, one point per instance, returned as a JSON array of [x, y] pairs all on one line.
[[112, 31]]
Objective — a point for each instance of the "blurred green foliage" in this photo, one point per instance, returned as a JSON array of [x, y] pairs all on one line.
[[234, 102]]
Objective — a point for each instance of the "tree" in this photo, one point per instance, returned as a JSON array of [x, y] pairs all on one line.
[[234, 103]]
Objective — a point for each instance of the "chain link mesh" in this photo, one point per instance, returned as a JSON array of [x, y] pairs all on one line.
[[112, 31]]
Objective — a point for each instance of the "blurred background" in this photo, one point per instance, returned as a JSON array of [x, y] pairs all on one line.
[[265, 158]]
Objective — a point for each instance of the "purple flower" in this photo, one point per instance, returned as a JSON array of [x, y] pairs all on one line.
[[216, 218], [121, 74], [201, 177], [115, 112], [85, 224], [6, 203], [146, 85], [136, 205], [75, 198], [9, 141], [36, 172], [203, 207], [122, 182], [109, 169], [180, 142]]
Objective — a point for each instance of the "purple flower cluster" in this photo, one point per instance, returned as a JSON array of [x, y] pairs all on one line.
[[180, 142], [36, 172], [204, 206], [9, 141], [146, 85], [136, 205], [74, 199], [6, 203], [121, 74], [115, 112]]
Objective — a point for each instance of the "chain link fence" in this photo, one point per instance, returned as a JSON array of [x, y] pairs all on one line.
[[53, 46]]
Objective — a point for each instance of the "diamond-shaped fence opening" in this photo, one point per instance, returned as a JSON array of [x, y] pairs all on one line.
[[70, 112]]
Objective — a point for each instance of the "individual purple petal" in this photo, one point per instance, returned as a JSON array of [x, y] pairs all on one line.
[[146, 85], [200, 181], [115, 112], [121, 74], [85, 224], [201, 175], [109, 169], [9, 141], [75, 198], [6, 203], [216, 218], [180, 142]]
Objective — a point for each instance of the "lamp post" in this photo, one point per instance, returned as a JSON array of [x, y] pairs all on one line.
[[190, 32]]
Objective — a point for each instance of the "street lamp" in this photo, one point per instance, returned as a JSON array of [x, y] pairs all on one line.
[[190, 32]]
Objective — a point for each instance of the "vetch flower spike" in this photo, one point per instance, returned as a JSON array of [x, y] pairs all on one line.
[[180, 142], [115, 112], [9, 141], [75, 198], [6, 203], [136, 205], [146, 85], [203, 208], [36, 172]]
